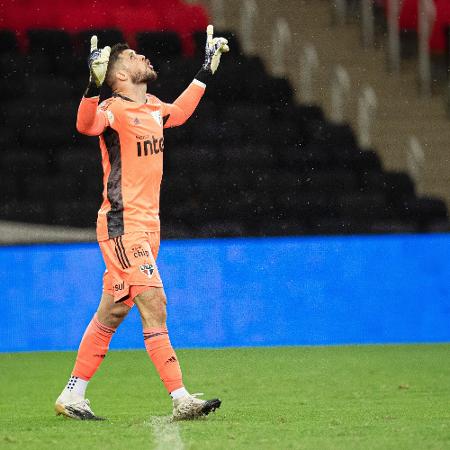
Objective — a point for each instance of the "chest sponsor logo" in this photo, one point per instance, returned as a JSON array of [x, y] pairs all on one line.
[[147, 269], [150, 146]]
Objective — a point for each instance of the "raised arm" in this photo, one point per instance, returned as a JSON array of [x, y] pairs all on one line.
[[91, 120], [181, 109], [176, 113]]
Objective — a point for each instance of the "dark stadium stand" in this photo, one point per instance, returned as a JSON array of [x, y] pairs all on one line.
[[250, 162]]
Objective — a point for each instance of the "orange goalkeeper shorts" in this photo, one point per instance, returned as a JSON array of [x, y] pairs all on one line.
[[130, 265]]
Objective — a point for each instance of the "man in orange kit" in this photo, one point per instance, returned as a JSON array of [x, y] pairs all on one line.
[[130, 125]]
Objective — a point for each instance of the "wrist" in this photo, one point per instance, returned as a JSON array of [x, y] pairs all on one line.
[[203, 75], [92, 90]]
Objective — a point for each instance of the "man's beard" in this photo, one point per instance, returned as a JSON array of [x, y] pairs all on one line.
[[144, 77]]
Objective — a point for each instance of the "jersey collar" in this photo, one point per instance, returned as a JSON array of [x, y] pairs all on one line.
[[128, 99]]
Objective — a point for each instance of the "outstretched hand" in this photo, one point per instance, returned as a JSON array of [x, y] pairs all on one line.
[[98, 62], [213, 50]]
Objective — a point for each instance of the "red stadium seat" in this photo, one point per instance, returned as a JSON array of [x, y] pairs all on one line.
[[408, 15], [437, 39], [409, 21], [138, 19], [130, 17], [74, 17]]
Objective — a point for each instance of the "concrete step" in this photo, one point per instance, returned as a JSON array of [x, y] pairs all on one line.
[[401, 112]]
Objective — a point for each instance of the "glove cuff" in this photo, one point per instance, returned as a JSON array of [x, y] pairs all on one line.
[[92, 90], [203, 75]]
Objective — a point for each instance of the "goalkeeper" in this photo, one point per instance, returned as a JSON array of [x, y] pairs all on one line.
[[130, 126]]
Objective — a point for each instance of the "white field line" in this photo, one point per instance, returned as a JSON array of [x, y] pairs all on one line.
[[166, 433]]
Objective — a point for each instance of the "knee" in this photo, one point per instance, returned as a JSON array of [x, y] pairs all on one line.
[[112, 318], [116, 317], [152, 307]]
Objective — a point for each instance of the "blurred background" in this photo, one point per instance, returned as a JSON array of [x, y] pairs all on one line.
[[327, 118]]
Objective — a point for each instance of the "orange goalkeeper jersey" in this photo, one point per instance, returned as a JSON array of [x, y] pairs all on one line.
[[132, 147]]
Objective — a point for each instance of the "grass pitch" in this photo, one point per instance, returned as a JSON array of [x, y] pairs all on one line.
[[365, 397]]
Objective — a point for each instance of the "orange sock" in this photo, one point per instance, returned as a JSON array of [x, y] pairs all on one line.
[[161, 353], [93, 349]]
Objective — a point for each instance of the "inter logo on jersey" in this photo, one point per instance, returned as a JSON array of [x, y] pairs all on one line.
[[150, 146]]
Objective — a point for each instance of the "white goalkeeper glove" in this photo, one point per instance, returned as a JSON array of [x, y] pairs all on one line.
[[213, 50], [98, 62]]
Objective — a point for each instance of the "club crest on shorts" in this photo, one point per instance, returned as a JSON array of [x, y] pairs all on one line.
[[148, 269]]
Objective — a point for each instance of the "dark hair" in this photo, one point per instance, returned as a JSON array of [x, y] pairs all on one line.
[[116, 51]]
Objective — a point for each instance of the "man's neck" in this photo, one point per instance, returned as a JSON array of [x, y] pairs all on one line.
[[136, 92]]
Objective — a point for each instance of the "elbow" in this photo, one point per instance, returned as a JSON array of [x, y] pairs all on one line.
[[84, 129], [180, 120], [81, 128]]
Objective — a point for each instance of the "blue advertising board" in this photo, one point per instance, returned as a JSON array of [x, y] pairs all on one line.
[[241, 292]]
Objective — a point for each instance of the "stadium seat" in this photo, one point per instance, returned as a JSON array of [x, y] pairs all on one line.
[[52, 43], [221, 229], [233, 41], [25, 162], [437, 39], [12, 66], [302, 205], [51, 89], [437, 226], [188, 212], [159, 46], [259, 164], [399, 186], [363, 206], [334, 181], [184, 19], [282, 227], [358, 161], [54, 48], [8, 42], [194, 160], [335, 225], [139, 18], [11, 88], [174, 230], [106, 36], [9, 186], [75, 213], [25, 211], [57, 187], [82, 162], [38, 64], [250, 155], [9, 139], [422, 209], [393, 226], [177, 187], [303, 158]]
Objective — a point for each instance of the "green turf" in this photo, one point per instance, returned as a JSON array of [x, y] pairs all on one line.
[[384, 397]]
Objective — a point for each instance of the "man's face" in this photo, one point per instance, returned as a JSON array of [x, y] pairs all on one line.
[[138, 67]]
